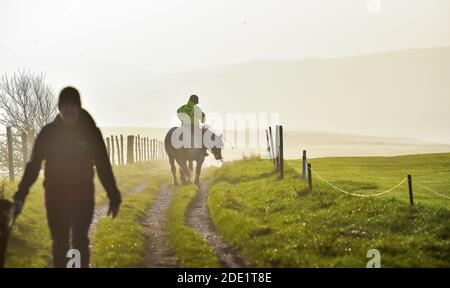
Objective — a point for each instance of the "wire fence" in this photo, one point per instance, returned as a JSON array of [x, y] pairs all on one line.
[[356, 194], [407, 179]]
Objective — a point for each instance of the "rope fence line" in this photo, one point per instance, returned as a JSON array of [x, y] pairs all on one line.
[[356, 194], [377, 194], [307, 169], [432, 191]]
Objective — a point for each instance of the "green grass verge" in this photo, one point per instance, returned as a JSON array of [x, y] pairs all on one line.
[[277, 223], [30, 244], [189, 247], [122, 242]]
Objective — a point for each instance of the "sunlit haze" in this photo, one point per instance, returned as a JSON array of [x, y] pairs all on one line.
[[135, 62]]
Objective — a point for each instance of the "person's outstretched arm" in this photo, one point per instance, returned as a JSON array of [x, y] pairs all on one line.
[[104, 170], [32, 168]]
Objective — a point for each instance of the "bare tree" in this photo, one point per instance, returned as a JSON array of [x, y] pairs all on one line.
[[27, 103], [18, 163]]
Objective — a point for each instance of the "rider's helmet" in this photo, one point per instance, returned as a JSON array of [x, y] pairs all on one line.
[[194, 98]]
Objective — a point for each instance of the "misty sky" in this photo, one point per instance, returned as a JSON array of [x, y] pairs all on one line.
[[105, 47]]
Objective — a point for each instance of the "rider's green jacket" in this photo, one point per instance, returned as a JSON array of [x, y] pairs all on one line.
[[191, 113]]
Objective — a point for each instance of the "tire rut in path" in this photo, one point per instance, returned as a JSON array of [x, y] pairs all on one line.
[[101, 210], [158, 252], [199, 219]]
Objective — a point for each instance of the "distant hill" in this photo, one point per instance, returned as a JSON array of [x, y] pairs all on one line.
[[400, 93]]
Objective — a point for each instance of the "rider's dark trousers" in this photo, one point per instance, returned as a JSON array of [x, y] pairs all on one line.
[[69, 227]]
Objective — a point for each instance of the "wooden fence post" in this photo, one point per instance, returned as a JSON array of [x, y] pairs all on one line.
[[108, 147], [164, 151], [145, 149], [153, 148], [268, 144], [141, 146], [304, 161], [410, 188], [148, 149], [9, 140], [31, 137], [137, 149], [158, 155], [112, 150], [281, 159], [24, 148], [271, 144], [157, 149], [142, 149], [121, 149], [119, 161], [310, 177], [277, 148], [130, 149]]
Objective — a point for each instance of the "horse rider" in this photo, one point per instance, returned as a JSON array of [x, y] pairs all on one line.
[[192, 118]]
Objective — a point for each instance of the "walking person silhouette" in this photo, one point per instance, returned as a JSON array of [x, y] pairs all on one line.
[[70, 146]]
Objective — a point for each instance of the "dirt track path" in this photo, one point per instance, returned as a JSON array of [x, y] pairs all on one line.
[[199, 219], [159, 254], [101, 210]]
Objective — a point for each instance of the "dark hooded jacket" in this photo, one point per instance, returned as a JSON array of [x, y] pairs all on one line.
[[70, 154]]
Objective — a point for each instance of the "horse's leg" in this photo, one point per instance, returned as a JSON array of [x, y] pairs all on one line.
[[181, 175], [173, 169], [198, 170], [184, 172]]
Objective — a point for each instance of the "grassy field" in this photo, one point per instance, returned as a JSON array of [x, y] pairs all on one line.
[[280, 223], [30, 244], [189, 247], [271, 222]]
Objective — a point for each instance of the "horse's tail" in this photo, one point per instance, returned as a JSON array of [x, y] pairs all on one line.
[[168, 141]]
